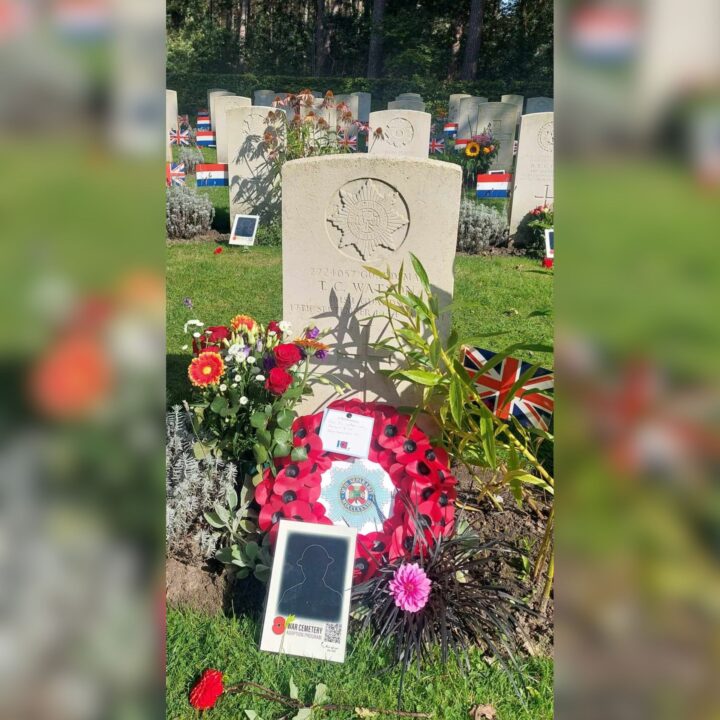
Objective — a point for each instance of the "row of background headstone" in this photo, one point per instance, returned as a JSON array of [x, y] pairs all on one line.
[[406, 133]]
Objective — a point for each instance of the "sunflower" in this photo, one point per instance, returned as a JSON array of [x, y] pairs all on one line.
[[472, 149], [243, 321], [206, 369]]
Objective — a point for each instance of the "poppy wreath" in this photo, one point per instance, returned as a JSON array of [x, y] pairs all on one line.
[[423, 505]]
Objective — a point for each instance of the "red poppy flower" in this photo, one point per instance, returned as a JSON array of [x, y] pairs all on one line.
[[278, 626], [207, 690], [217, 251]]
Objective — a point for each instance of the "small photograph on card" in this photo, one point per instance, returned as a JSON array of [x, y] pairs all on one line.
[[309, 595]]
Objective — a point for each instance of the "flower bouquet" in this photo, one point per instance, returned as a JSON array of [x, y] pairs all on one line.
[[247, 380], [537, 221], [475, 154]]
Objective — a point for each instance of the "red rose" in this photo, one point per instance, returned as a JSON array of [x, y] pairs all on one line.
[[207, 690], [278, 381], [287, 354], [218, 333], [274, 327]]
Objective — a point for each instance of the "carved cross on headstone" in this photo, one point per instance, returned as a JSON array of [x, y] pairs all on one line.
[[548, 195]]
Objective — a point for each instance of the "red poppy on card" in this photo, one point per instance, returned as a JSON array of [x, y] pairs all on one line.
[[278, 625]]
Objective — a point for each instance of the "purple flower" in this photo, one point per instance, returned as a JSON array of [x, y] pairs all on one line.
[[410, 587], [187, 302], [312, 333], [321, 354], [269, 362]]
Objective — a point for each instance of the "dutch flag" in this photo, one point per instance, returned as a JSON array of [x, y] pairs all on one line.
[[211, 175], [494, 185], [450, 129], [203, 121], [461, 144], [605, 34], [205, 138]]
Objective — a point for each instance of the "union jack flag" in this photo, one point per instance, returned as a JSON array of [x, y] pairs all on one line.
[[350, 143], [437, 146], [530, 405], [180, 137], [174, 174]]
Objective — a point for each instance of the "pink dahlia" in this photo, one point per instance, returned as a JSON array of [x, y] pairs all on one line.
[[410, 587]]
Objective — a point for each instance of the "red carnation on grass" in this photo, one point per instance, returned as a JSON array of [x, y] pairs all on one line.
[[206, 369], [217, 250], [207, 690], [243, 321], [286, 355], [278, 381]]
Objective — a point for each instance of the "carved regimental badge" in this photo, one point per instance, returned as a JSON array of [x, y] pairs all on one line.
[[546, 136], [399, 133], [366, 218]]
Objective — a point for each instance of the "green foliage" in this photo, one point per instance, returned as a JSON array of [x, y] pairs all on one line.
[[269, 234], [470, 432], [480, 227]]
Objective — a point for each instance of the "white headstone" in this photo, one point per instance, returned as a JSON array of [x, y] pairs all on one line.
[[212, 99], [171, 120], [467, 115], [405, 133], [415, 96], [352, 102], [454, 105], [518, 100], [533, 181], [407, 104], [501, 118], [252, 173], [538, 105], [364, 103], [343, 212], [264, 97], [209, 92], [223, 104]]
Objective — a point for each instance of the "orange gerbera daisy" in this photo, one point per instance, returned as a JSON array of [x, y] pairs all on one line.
[[206, 369], [243, 321], [320, 350]]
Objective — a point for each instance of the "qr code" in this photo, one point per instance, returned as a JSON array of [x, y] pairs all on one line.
[[333, 631]]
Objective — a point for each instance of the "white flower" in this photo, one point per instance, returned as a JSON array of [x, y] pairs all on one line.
[[285, 326], [196, 335], [260, 378], [192, 322], [223, 387], [251, 360], [184, 347], [237, 378], [243, 400], [234, 349]]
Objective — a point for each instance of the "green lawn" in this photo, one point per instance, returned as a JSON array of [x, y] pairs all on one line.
[[492, 294], [195, 642]]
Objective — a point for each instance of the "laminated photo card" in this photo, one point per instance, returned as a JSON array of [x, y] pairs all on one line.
[[309, 595]]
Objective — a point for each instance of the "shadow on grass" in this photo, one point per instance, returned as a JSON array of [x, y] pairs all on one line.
[[177, 385], [221, 223]]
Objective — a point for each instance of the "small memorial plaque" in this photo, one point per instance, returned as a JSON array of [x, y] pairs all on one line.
[[309, 595]]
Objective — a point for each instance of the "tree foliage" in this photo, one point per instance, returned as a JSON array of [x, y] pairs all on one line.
[[333, 38]]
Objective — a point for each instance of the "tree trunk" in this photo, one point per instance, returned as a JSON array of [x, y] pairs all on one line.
[[474, 40], [242, 30], [375, 54], [319, 37]]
